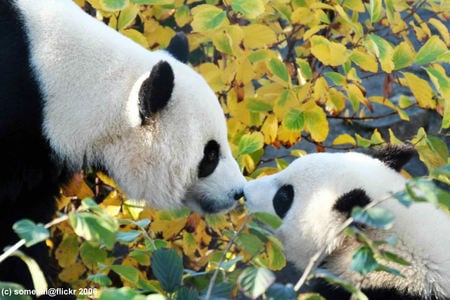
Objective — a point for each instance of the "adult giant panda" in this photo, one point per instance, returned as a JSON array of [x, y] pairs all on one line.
[[75, 93], [316, 193]]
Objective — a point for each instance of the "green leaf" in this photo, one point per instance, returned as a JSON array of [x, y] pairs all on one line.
[[208, 18], [31, 232], [305, 68], [129, 273], [278, 68], [375, 217], [127, 16], [92, 255], [442, 174], [187, 294], [337, 78], [167, 268], [433, 152], [99, 229], [424, 189], [250, 143], [375, 10], [258, 105], [430, 52], [383, 50], [333, 279], [220, 291], [101, 279], [403, 56], [279, 291], [253, 282], [364, 261], [268, 219], [249, 243], [251, 9], [128, 236], [294, 120], [113, 5]]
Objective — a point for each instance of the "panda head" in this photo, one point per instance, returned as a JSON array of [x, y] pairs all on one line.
[[316, 193], [171, 148]]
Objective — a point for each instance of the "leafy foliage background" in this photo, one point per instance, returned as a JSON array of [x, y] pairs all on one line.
[[283, 71]]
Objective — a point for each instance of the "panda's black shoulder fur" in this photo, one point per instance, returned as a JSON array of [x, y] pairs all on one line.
[[30, 177], [395, 156]]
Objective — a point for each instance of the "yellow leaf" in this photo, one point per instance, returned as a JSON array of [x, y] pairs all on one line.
[[67, 251], [106, 180], [208, 18], [329, 53], [344, 139], [134, 207], [315, 121], [288, 137], [136, 36], [313, 30], [302, 15], [112, 203], [270, 129], [364, 60], [420, 89], [168, 228], [72, 273], [213, 76], [443, 30], [356, 96], [258, 36], [336, 101], [229, 39]]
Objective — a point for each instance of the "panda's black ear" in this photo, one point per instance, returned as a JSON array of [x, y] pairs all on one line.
[[179, 47], [356, 197], [156, 90], [395, 156]]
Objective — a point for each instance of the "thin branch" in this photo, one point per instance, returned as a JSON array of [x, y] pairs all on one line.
[[222, 259], [22, 242]]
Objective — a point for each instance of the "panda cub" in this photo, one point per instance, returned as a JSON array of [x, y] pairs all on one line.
[[316, 193], [75, 93]]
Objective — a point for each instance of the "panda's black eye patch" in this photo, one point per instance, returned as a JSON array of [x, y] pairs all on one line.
[[356, 197], [282, 201], [210, 159]]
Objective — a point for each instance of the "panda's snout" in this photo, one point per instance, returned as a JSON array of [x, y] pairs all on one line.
[[238, 195]]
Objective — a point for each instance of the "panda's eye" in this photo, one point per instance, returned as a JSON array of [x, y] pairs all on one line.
[[282, 200], [210, 159]]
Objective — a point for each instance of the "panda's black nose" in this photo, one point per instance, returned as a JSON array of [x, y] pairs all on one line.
[[238, 195]]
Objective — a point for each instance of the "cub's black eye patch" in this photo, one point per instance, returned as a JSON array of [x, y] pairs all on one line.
[[210, 159], [346, 202], [282, 201]]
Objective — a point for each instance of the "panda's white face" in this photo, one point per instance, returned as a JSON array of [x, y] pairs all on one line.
[[315, 194], [149, 120]]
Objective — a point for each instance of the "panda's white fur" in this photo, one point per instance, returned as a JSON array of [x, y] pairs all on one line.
[[311, 221], [74, 94], [91, 109]]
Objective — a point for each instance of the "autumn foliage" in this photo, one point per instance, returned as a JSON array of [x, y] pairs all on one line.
[[282, 71]]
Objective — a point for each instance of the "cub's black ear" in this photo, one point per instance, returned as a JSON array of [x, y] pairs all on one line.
[[395, 156], [156, 90], [179, 47], [356, 197]]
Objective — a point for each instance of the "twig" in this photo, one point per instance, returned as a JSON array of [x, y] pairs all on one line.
[[222, 259], [22, 242]]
